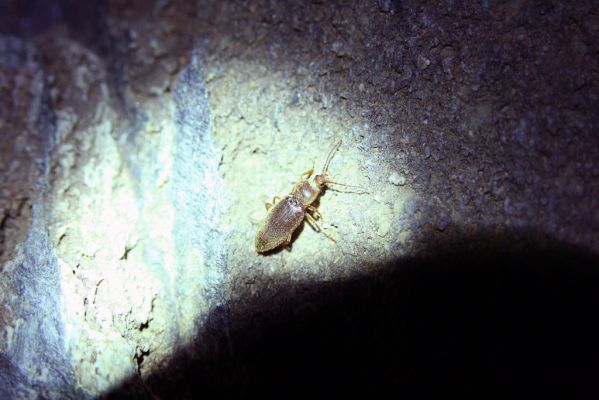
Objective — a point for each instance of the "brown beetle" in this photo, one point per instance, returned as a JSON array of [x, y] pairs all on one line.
[[284, 216]]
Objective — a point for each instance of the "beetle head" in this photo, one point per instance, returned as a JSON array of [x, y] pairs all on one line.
[[320, 180]]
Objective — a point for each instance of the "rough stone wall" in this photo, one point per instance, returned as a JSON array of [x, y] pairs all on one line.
[[460, 119], [125, 229], [148, 135]]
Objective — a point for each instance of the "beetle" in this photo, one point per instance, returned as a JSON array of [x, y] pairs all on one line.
[[285, 215]]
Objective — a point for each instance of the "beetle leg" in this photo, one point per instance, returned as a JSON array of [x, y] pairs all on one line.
[[317, 214], [274, 201], [287, 244], [309, 172], [313, 223], [315, 226]]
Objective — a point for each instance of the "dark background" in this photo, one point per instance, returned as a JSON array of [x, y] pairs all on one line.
[[484, 316]]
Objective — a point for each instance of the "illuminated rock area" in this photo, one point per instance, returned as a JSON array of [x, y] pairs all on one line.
[[139, 141], [121, 260]]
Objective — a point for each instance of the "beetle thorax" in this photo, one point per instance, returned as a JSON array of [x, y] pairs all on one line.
[[306, 192]]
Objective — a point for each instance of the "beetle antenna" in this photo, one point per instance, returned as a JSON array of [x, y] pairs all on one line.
[[351, 186], [330, 156]]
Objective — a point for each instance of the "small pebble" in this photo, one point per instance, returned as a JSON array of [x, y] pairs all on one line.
[[396, 179], [423, 62]]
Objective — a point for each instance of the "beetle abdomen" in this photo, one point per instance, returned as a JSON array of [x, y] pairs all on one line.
[[280, 222]]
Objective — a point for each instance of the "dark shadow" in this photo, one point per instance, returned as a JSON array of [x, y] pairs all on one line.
[[487, 316]]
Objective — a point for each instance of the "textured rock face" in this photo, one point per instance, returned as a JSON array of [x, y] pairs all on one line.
[[140, 140], [111, 253]]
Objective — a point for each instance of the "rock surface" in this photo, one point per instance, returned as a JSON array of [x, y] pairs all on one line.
[[140, 141]]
